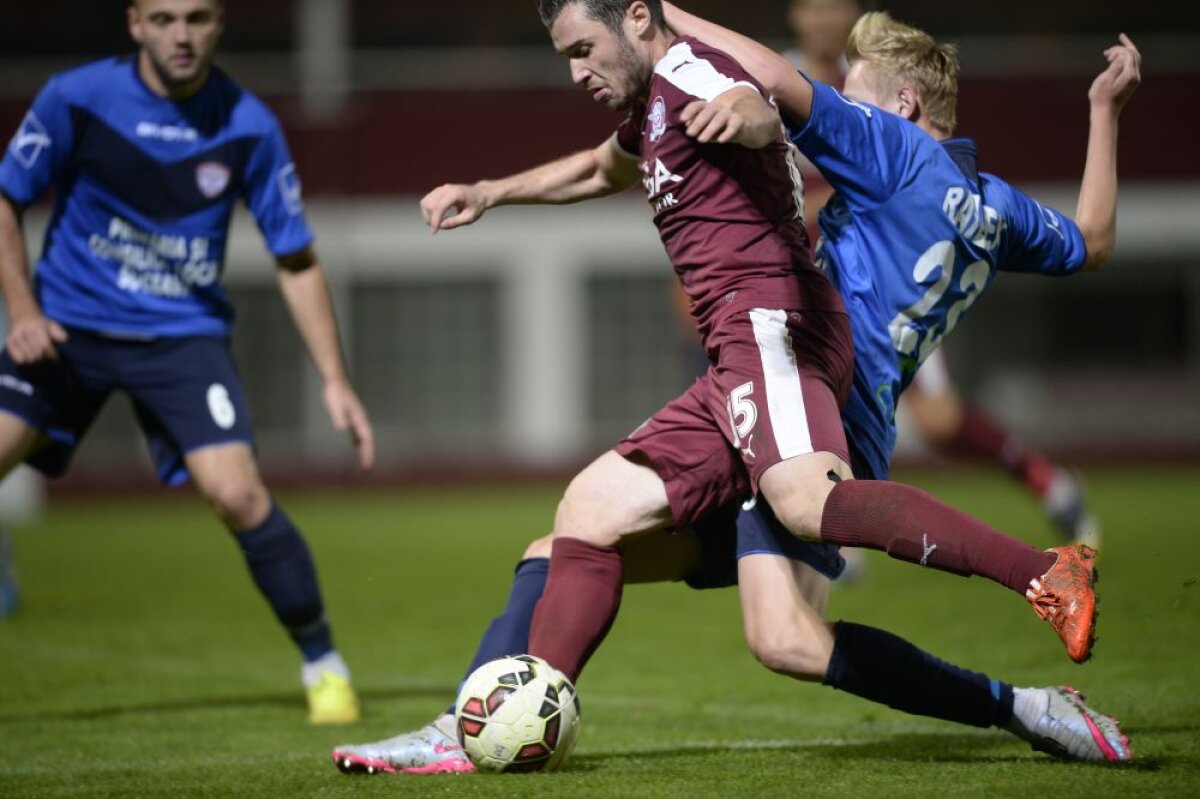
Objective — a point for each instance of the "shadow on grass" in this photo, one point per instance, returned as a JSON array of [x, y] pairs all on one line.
[[933, 748], [290, 701]]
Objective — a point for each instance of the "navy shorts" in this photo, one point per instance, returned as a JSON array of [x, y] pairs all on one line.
[[186, 394], [737, 530]]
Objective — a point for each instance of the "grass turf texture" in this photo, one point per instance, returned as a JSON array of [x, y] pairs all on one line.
[[144, 664]]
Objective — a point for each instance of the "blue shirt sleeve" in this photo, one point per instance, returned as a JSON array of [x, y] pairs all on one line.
[[861, 150], [272, 192], [40, 150], [1039, 239]]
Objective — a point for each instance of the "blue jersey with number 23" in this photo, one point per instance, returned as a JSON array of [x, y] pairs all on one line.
[[911, 238]]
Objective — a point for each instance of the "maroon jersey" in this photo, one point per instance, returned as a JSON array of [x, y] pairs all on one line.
[[731, 218]]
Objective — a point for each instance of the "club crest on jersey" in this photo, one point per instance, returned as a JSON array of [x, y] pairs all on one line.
[[212, 178], [658, 119], [31, 138]]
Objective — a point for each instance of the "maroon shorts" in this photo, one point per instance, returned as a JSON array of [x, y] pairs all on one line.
[[774, 393]]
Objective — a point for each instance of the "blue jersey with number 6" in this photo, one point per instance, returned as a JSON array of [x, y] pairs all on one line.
[[144, 190], [911, 238]]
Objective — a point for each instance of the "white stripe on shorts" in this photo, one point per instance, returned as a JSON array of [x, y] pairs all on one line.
[[785, 400]]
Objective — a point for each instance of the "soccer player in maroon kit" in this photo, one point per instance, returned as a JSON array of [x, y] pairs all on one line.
[[708, 148]]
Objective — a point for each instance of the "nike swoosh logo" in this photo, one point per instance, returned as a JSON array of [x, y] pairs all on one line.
[[680, 66]]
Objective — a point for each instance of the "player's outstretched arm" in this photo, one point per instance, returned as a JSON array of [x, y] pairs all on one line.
[[31, 336], [773, 71], [591, 173], [1096, 214], [302, 282]]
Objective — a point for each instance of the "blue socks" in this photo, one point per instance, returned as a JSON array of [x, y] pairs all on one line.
[[508, 634], [283, 570], [884, 668]]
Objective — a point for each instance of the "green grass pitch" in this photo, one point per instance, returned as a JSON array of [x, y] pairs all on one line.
[[144, 664]]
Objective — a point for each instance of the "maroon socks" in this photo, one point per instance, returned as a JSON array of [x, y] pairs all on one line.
[[911, 525], [981, 436], [578, 606]]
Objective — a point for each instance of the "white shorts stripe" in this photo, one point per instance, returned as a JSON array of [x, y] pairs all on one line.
[[785, 400]]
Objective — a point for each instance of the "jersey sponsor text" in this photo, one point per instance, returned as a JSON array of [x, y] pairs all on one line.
[[164, 265]]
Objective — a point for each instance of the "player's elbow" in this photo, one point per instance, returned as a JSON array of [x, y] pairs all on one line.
[[774, 72], [1099, 246]]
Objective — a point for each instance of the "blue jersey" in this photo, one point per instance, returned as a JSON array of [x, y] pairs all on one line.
[[911, 238], [144, 191]]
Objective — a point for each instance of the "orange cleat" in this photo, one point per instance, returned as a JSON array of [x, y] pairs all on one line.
[[1064, 596]]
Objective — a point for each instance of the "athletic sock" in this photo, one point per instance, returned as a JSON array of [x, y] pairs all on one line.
[[312, 671], [579, 605], [981, 436], [912, 526], [884, 668], [283, 570], [508, 634]]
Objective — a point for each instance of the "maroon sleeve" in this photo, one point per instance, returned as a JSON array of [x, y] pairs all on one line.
[[724, 64]]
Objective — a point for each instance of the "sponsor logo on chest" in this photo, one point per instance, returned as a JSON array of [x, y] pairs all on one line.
[[658, 181], [168, 133]]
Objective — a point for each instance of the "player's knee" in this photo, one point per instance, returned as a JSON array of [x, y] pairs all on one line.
[[240, 504], [802, 515], [539, 548], [785, 653], [580, 516]]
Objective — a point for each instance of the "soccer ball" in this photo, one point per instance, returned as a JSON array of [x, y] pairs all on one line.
[[517, 713]]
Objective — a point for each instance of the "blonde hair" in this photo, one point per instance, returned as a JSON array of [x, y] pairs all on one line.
[[904, 54]]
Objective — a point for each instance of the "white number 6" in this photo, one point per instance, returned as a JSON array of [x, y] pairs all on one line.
[[221, 407]]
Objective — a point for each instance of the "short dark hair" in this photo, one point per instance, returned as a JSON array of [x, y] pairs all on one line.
[[609, 12]]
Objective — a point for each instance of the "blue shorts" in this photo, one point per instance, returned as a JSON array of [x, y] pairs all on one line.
[[738, 530], [186, 394]]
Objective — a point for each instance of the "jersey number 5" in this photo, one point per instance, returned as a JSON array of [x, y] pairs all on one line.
[[743, 413]]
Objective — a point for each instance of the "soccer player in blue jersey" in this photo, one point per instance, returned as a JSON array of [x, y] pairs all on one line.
[[944, 420], [784, 601], [147, 156]]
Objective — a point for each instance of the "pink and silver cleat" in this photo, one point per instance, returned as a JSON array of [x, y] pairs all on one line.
[[433, 749]]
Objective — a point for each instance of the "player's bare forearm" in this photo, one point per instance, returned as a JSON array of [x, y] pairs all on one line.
[[1096, 213], [781, 80], [306, 294], [31, 336], [14, 265], [580, 176]]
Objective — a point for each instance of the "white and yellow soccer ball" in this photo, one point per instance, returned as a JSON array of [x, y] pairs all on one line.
[[517, 713]]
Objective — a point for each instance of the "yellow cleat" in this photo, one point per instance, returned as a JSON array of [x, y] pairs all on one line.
[[331, 700]]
